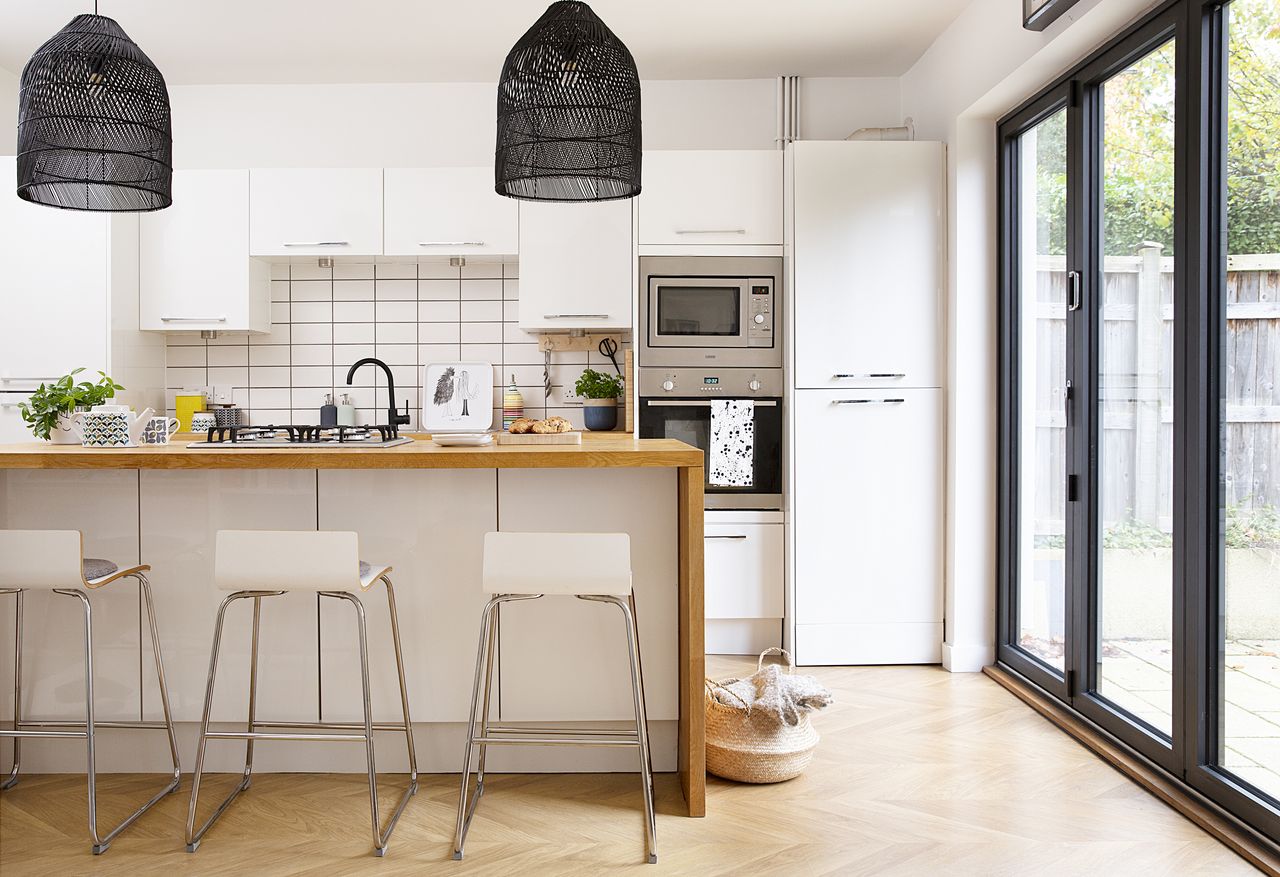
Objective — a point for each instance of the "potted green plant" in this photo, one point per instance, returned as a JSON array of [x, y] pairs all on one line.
[[48, 411], [599, 393]]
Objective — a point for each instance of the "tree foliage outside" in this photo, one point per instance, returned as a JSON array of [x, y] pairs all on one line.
[[1137, 154]]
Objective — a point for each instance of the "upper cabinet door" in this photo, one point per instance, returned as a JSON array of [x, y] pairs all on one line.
[[315, 212], [446, 212], [194, 269], [869, 263], [575, 265], [54, 292], [696, 198]]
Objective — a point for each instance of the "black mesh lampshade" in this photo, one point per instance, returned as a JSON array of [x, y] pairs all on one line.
[[568, 112], [93, 123]]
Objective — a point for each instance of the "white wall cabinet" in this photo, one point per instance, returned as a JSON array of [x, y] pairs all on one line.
[[868, 526], [195, 272], [576, 265], [447, 211], [869, 263], [695, 199], [69, 299], [315, 212]]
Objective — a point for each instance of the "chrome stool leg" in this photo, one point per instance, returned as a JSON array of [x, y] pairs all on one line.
[[145, 585], [193, 836], [484, 673], [10, 780], [404, 694]]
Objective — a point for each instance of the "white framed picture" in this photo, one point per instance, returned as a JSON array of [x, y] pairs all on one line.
[[457, 397]]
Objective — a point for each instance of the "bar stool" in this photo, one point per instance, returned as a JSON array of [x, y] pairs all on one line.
[[527, 566], [53, 560], [267, 563]]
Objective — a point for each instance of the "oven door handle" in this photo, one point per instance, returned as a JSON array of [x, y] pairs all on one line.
[[701, 403]]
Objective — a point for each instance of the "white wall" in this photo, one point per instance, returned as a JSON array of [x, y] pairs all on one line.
[[8, 111], [444, 124], [981, 67]]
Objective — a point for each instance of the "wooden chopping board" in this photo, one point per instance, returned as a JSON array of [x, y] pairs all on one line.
[[533, 438]]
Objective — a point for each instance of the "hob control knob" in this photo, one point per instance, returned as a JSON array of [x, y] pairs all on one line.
[[668, 385], [759, 318], [753, 385]]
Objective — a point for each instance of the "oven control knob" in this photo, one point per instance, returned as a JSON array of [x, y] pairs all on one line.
[[753, 385], [668, 385], [759, 318]]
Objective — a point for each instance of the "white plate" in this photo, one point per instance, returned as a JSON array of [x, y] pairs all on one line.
[[464, 439]]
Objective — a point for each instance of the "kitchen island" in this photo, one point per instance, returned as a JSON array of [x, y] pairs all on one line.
[[423, 509]]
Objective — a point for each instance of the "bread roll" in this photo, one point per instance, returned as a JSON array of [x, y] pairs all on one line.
[[521, 425]]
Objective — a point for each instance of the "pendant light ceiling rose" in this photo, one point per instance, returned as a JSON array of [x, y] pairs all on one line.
[[568, 112], [94, 129]]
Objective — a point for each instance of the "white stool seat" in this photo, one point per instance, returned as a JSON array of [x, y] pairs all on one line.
[[560, 564], [292, 560], [44, 560]]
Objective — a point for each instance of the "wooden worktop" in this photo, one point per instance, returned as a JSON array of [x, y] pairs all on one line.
[[609, 450]]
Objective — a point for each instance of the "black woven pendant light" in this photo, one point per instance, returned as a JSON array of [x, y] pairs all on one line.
[[93, 123], [568, 112]]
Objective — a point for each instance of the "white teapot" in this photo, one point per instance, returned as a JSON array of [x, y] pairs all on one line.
[[110, 426]]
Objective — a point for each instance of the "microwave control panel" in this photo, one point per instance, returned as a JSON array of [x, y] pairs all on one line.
[[760, 313]]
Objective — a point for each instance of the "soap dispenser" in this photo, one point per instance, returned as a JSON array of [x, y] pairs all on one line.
[[328, 411], [346, 411]]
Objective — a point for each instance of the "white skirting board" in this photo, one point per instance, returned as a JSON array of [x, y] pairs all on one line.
[[439, 748], [880, 643], [742, 636]]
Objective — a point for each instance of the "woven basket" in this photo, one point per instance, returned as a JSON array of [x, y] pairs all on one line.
[[755, 748]]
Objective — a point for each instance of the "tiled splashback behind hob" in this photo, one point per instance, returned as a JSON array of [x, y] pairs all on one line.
[[407, 315]]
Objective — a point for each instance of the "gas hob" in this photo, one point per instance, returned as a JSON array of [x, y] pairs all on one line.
[[308, 437]]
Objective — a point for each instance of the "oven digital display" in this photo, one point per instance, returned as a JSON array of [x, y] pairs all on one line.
[[710, 380]]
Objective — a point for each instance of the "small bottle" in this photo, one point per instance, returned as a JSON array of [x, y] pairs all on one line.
[[346, 411], [512, 404], [328, 411]]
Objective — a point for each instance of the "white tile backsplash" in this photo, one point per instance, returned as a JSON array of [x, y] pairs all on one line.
[[323, 320]]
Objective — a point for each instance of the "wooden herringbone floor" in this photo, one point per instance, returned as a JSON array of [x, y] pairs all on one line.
[[919, 772]]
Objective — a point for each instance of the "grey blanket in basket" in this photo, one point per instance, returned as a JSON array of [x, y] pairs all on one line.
[[775, 693]]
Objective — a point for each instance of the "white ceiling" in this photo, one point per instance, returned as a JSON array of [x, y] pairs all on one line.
[[252, 41]]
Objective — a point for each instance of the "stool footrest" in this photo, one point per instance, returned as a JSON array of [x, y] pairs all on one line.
[[73, 735], [137, 726], [564, 732], [319, 726], [555, 740], [260, 735]]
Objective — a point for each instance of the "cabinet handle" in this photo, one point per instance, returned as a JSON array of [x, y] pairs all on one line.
[[871, 375], [711, 231], [725, 536], [221, 319], [451, 243], [867, 401], [575, 316], [317, 243]]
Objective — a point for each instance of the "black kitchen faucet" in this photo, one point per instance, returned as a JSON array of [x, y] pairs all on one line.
[[394, 417]]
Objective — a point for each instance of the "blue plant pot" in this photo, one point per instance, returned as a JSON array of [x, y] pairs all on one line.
[[600, 414]]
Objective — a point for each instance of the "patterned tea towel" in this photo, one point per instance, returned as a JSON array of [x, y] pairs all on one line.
[[733, 432]]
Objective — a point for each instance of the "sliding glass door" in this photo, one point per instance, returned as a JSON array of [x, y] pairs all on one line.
[[1139, 518]]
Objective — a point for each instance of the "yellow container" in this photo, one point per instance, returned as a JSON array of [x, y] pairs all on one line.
[[186, 405]]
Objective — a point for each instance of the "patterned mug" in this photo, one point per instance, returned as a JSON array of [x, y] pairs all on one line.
[[158, 430], [203, 421]]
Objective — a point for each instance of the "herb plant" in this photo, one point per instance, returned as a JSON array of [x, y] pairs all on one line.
[[63, 396], [598, 385]]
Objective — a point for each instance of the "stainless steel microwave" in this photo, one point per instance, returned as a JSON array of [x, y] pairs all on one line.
[[711, 311]]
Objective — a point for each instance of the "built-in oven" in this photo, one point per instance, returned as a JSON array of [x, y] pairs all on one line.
[[711, 310], [677, 403]]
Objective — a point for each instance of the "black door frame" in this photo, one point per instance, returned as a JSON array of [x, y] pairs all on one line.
[[1199, 292]]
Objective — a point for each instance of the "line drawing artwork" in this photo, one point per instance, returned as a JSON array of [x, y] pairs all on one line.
[[455, 392]]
